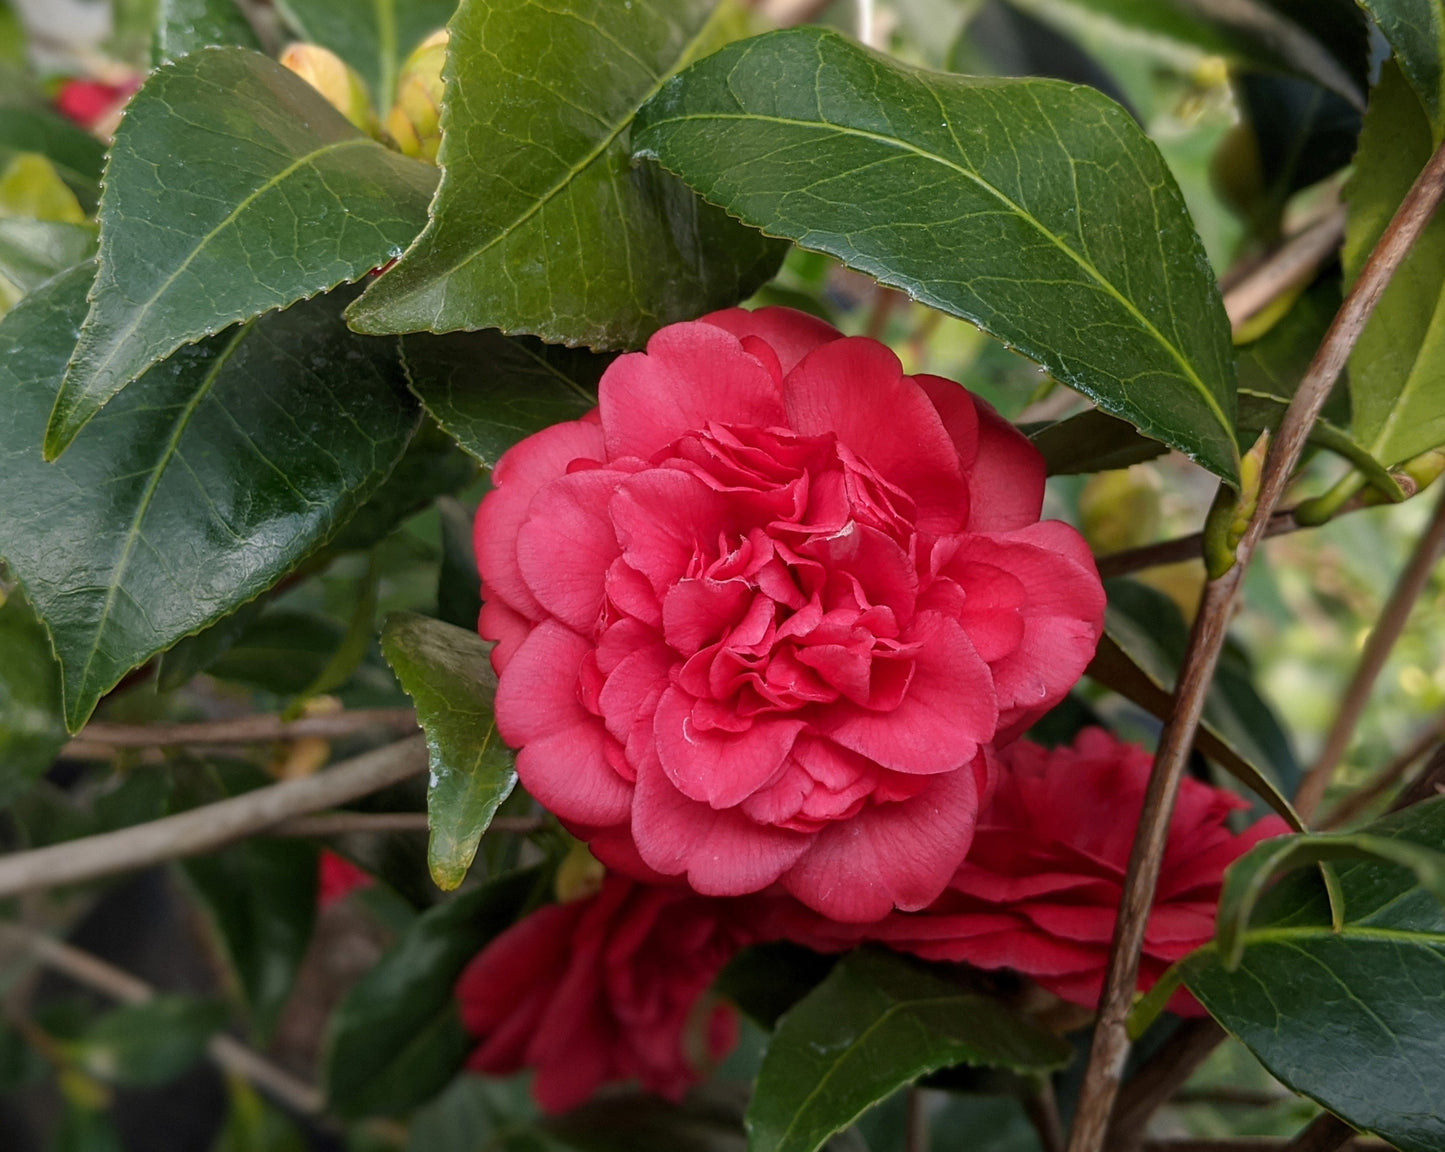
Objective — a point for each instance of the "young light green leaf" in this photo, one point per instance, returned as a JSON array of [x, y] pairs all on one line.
[[1353, 1018], [542, 224], [1416, 31], [374, 38], [1397, 370], [1037, 210], [32, 724], [396, 1039], [201, 487], [1248, 877], [260, 898], [878, 1022], [148, 1043], [446, 670], [281, 199], [488, 391], [186, 26]]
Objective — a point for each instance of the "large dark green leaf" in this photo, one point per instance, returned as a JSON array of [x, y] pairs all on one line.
[[1416, 31], [542, 223], [489, 391], [374, 38], [77, 155], [876, 1023], [198, 489], [447, 671], [1036, 209], [1322, 39], [185, 26], [1397, 370], [1356, 1018], [148, 1043], [261, 899], [1139, 657], [278, 198], [32, 725], [396, 1038]]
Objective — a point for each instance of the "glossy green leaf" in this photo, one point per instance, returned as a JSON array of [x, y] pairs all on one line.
[[879, 1021], [1139, 657], [279, 198], [374, 38], [489, 391], [1322, 39], [1251, 874], [447, 671], [280, 651], [260, 897], [200, 488], [77, 155], [542, 223], [1355, 1018], [1397, 370], [1416, 31], [194, 654], [1092, 441], [186, 26], [1036, 209], [34, 251], [459, 589], [148, 1043], [32, 724], [396, 1038]]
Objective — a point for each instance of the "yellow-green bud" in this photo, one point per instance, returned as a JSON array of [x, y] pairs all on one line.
[[330, 75], [414, 121], [1231, 512]]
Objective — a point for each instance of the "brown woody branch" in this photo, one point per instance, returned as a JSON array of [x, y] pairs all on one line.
[[1387, 777], [1292, 265], [1189, 547], [212, 826], [257, 729], [1206, 639]]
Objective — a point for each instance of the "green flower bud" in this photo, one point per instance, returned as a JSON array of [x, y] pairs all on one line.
[[414, 121], [330, 75]]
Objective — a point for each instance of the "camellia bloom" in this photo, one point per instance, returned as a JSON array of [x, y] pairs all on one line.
[[605, 989], [761, 614], [1040, 890], [337, 878]]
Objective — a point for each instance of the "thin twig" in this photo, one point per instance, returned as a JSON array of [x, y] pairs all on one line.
[[263, 728], [1253, 1144], [1325, 1133], [228, 1053], [1426, 786], [1158, 1080], [1180, 548], [1042, 1110], [789, 13], [1294, 263], [1206, 639], [1386, 778], [1378, 647], [1233, 1097], [212, 826], [340, 823], [915, 1131]]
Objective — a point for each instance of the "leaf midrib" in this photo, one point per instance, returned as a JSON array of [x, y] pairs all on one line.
[[118, 342], [577, 168], [1023, 214], [132, 536]]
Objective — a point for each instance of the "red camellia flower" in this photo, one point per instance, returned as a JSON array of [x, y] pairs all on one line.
[[1040, 890], [760, 614], [337, 878], [88, 102], [605, 989]]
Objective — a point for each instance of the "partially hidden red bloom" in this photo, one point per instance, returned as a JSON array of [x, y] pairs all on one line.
[[338, 878], [760, 615], [605, 989], [1040, 890], [89, 102]]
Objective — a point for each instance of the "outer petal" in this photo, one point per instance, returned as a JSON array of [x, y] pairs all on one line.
[[844, 387], [890, 855], [507, 627], [521, 471], [791, 334], [1008, 477], [689, 375], [562, 760], [722, 852]]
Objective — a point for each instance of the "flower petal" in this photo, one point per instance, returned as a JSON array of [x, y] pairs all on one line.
[[789, 333], [719, 768]]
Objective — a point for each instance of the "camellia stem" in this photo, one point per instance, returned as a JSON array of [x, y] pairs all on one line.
[[229, 1054], [1293, 264], [258, 729], [1377, 650], [211, 826], [1206, 639]]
